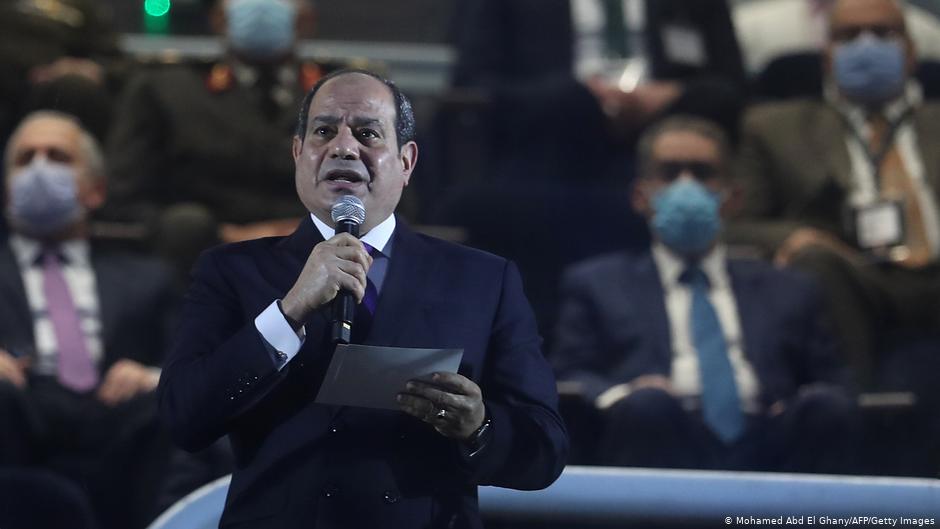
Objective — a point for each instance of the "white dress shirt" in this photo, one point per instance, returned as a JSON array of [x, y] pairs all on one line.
[[588, 25], [80, 279], [865, 189], [685, 377]]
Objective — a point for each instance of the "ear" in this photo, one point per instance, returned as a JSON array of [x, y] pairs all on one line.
[[639, 199], [218, 23], [93, 194], [910, 56], [306, 23], [296, 147], [733, 200], [409, 158]]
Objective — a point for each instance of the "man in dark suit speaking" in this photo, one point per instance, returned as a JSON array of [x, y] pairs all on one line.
[[254, 345]]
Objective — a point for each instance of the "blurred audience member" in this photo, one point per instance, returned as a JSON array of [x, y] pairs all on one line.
[[847, 187], [81, 331], [699, 360], [205, 143], [561, 89], [770, 29], [55, 54], [568, 83]]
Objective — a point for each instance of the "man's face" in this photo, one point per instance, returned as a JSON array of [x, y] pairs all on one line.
[[676, 155], [351, 148], [58, 141], [882, 18]]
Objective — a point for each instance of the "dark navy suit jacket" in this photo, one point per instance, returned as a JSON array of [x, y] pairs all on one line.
[[613, 326], [300, 464]]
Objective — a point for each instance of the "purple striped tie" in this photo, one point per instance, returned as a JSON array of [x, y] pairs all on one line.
[[371, 297], [76, 370]]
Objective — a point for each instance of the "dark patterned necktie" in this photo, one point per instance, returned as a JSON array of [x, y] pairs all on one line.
[[371, 297]]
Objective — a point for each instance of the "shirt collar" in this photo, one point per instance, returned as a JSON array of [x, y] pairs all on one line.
[[379, 237], [894, 110], [670, 265], [75, 251]]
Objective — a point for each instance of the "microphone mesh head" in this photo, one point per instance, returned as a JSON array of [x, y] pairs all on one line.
[[348, 208]]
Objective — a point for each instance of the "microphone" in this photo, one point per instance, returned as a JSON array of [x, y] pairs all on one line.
[[348, 214]]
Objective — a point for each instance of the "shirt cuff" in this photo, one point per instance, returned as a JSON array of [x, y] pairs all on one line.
[[279, 337]]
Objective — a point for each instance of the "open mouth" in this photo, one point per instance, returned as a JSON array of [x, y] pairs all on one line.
[[341, 175]]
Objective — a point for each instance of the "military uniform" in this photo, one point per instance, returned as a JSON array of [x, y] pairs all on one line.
[[37, 32], [199, 144], [216, 134]]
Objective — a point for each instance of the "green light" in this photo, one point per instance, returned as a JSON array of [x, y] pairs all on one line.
[[156, 8]]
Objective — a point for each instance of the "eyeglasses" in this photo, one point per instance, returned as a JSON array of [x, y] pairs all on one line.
[[670, 170], [882, 31]]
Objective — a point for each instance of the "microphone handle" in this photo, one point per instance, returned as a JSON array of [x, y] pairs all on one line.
[[344, 306]]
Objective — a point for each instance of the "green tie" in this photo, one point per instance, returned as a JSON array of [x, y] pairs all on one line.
[[616, 31]]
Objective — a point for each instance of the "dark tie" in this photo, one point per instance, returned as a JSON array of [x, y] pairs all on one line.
[[615, 34], [371, 297], [75, 367], [721, 406]]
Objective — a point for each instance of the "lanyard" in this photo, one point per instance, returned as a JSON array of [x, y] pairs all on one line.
[[875, 158]]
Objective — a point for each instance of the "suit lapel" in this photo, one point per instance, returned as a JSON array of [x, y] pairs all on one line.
[[295, 250], [108, 282], [16, 325], [747, 297], [828, 133], [928, 150], [649, 291], [405, 286]]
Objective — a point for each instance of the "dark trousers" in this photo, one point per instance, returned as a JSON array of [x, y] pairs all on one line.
[[816, 432], [116, 455], [34, 499]]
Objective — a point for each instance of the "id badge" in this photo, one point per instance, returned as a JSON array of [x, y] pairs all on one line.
[[684, 45], [879, 225]]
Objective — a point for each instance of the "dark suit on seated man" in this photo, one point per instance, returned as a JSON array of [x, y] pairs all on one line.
[[698, 360], [82, 329], [254, 345]]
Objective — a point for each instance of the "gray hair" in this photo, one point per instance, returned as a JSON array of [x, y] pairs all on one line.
[[87, 144]]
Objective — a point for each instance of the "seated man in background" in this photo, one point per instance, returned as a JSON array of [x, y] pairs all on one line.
[[770, 29], [81, 330], [199, 150], [847, 187], [698, 360], [564, 88], [57, 52]]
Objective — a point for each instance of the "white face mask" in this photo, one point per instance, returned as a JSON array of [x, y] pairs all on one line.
[[43, 198], [261, 29]]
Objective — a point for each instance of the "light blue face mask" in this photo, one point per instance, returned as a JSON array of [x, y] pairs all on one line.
[[869, 70], [261, 29], [686, 217], [44, 198]]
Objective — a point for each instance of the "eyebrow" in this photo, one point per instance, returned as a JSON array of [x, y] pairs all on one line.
[[356, 121]]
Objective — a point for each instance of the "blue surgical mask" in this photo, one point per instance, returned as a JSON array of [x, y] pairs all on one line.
[[869, 70], [261, 29], [44, 198], [686, 217]]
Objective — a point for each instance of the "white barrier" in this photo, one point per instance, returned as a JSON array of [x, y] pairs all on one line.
[[617, 495]]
